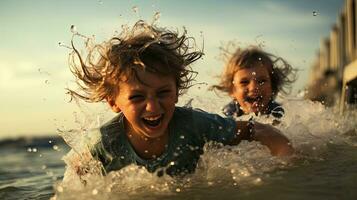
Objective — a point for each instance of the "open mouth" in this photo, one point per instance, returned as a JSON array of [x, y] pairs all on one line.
[[253, 100], [153, 122]]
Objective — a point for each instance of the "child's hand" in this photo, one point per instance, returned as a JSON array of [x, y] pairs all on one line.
[[267, 135]]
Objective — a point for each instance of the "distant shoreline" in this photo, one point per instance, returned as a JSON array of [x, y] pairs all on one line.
[[31, 141]]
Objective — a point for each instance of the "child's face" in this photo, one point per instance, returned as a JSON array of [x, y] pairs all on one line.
[[148, 105], [252, 89]]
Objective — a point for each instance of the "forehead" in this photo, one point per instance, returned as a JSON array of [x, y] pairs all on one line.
[[141, 79], [260, 71]]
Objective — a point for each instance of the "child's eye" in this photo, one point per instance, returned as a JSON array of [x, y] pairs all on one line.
[[244, 82], [164, 93], [136, 97]]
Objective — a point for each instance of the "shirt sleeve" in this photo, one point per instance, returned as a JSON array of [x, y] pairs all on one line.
[[214, 127]]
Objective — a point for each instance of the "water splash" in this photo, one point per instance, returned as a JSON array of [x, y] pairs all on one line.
[[73, 29], [310, 126], [61, 44], [156, 17], [135, 9]]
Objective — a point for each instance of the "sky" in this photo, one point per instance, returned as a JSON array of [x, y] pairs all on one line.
[[34, 68]]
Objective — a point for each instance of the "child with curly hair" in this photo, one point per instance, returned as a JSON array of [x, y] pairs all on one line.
[[253, 79]]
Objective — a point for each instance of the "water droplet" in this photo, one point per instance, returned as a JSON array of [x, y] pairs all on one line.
[[60, 189], [100, 2], [315, 13], [172, 163], [135, 9], [254, 73], [146, 151], [55, 147], [94, 191], [182, 137], [47, 81], [157, 16], [259, 58], [50, 141], [73, 29], [29, 149], [34, 150], [178, 190]]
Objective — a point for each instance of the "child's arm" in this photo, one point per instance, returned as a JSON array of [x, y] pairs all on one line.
[[267, 135]]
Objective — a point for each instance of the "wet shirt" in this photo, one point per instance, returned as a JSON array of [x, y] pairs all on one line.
[[189, 130], [233, 109]]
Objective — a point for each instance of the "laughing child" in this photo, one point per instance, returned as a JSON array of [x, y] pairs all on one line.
[[140, 75], [253, 79]]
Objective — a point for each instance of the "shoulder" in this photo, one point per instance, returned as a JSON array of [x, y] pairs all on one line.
[[232, 109], [109, 138], [229, 109], [276, 109]]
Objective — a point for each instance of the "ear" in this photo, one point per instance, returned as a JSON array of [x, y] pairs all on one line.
[[112, 104]]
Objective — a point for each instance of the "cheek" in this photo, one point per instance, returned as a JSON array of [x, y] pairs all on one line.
[[268, 90]]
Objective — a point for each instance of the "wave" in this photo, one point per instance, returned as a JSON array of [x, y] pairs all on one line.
[[26, 142]]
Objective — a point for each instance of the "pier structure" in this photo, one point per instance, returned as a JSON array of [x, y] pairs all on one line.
[[333, 76]]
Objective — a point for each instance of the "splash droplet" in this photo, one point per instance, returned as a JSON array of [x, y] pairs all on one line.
[[60, 189], [135, 9], [73, 29], [95, 192], [55, 147], [315, 13], [157, 16]]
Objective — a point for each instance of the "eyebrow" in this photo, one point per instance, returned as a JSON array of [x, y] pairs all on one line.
[[160, 88]]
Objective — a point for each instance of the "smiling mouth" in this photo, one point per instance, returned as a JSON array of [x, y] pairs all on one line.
[[253, 100], [153, 122]]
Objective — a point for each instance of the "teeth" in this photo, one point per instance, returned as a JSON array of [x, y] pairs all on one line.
[[152, 118]]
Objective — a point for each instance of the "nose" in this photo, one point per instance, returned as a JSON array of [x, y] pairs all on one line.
[[153, 105], [253, 86]]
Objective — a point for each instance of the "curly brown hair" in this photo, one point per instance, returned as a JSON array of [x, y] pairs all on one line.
[[144, 47], [281, 72]]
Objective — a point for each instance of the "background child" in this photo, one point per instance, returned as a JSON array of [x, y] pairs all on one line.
[[140, 75], [253, 78]]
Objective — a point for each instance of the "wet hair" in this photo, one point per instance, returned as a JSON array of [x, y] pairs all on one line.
[[144, 47], [281, 72]]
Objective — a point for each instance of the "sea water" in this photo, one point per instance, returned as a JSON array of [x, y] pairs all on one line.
[[324, 166]]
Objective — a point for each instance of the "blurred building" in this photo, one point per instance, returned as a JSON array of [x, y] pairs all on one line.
[[333, 77]]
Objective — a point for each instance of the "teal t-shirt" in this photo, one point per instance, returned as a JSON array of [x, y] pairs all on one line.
[[189, 130]]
